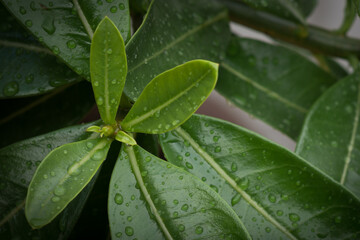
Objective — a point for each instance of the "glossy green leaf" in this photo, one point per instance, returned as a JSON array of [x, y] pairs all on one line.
[[28, 117], [277, 194], [152, 199], [174, 32], [18, 163], [271, 82], [125, 138], [331, 133], [171, 97], [27, 68], [60, 178], [108, 68], [296, 10], [67, 27], [357, 6]]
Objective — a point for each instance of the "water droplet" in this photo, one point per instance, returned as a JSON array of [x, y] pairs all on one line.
[[59, 191], [45, 176], [187, 154], [118, 199], [109, 51], [243, 183], [100, 101], [96, 83], [56, 50], [98, 155], [113, 9], [28, 23], [217, 149], [74, 170], [235, 199], [121, 6], [65, 152], [234, 167], [338, 219], [29, 78], [272, 198], [214, 188], [181, 228], [129, 218], [52, 173], [148, 159], [294, 217], [71, 44], [22, 10], [216, 138], [176, 202], [144, 173], [175, 122], [118, 234], [334, 144], [129, 231], [89, 145], [185, 207], [284, 197], [55, 199], [199, 230], [267, 229], [11, 89], [48, 26], [175, 214], [189, 165]]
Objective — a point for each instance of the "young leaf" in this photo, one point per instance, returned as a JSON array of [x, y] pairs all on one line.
[[60, 178], [271, 82], [66, 27], [331, 133], [171, 97], [26, 67], [160, 44], [276, 193], [18, 163], [125, 138], [152, 199], [28, 117], [108, 69]]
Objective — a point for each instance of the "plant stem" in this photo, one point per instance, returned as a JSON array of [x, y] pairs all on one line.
[[313, 38]]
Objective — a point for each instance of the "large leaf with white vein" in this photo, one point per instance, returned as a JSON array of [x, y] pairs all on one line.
[[18, 163], [153, 199], [271, 82], [276, 193], [174, 32], [330, 138], [66, 26]]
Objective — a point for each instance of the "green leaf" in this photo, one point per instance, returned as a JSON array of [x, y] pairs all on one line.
[[357, 6], [66, 27], [296, 10], [60, 178], [29, 117], [348, 18], [276, 193], [18, 163], [108, 69], [331, 133], [271, 82], [174, 32], [152, 199], [171, 97], [125, 138], [27, 68]]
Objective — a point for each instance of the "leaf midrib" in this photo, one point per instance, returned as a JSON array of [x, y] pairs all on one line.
[[29, 47], [148, 114], [221, 15], [83, 19], [269, 92], [145, 192], [232, 182], [352, 140]]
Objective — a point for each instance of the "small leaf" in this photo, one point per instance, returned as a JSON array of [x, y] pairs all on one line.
[[277, 194], [152, 199], [122, 136], [66, 27], [271, 82], [160, 44], [171, 97], [331, 133], [357, 6], [18, 163], [26, 67], [348, 18], [60, 178], [108, 69]]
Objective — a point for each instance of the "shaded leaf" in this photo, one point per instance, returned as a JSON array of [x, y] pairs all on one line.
[[66, 27], [174, 32], [27, 68], [122, 136], [152, 199], [60, 178], [331, 133], [149, 142], [357, 6], [271, 82], [276, 193], [171, 97], [108, 69], [28, 117], [18, 163], [296, 10]]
